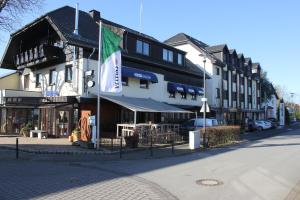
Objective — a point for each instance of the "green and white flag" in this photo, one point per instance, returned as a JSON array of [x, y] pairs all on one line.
[[111, 61]]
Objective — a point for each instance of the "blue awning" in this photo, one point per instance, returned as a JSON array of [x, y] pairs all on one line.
[[199, 91], [139, 74], [176, 87], [190, 89]]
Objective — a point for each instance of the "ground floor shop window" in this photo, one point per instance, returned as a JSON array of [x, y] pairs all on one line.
[[18, 118], [3, 120]]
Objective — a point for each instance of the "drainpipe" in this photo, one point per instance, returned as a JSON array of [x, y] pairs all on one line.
[[75, 64]]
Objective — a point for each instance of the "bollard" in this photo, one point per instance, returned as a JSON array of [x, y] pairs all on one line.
[[121, 147], [151, 150], [112, 143], [17, 148], [173, 146]]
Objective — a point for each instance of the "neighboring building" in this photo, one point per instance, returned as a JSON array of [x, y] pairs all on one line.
[[269, 104], [9, 80], [196, 51], [159, 83], [233, 91]]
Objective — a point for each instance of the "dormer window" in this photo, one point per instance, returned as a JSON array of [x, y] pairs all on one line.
[[180, 59], [142, 47], [167, 55], [38, 80]]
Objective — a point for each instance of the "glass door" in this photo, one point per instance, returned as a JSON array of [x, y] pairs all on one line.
[[62, 123]]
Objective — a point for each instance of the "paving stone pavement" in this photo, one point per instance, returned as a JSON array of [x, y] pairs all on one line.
[[25, 179]]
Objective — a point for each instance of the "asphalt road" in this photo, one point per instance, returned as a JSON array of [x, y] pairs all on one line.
[[266, 168]]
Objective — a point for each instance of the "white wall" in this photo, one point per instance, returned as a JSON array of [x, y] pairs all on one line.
[[273, 102], [211, 84], [63, 88], [157, 91]]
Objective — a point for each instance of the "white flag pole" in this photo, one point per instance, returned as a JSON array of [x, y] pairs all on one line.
[[99, 86]]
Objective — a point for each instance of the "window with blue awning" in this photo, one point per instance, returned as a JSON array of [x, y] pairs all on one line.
[[176, 87], [190, 89], [139, 74], [182, 88], [199, 91]]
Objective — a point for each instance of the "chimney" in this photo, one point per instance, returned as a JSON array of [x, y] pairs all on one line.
[[76, 19], [95, 14]]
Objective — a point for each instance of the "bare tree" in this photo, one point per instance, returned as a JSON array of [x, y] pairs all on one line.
[[12, 10]]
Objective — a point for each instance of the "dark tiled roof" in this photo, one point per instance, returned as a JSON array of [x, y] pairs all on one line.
[[247, 60], [182, 38], [63, 18], [217, 48], [194, 68], [240, 55], [232, 51], [256, 66]]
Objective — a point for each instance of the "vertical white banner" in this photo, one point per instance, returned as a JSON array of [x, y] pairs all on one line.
[[281, 114]]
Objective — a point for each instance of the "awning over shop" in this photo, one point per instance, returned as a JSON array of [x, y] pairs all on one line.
[[143, 104], [139, 74]]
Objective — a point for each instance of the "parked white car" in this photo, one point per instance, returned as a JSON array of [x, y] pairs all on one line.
[[197, 123], [262, 125]]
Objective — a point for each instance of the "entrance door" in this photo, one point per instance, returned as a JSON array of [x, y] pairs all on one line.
[[62, 123]]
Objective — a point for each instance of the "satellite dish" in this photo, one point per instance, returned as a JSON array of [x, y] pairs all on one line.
[[91, 84]]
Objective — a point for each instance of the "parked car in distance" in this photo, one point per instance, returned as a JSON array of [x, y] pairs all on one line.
[[262, 125], [196, 123], [274, 122]]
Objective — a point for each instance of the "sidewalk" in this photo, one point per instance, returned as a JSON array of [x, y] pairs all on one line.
[[61, 149]]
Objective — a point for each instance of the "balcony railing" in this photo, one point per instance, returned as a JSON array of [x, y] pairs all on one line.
[[38, 54]]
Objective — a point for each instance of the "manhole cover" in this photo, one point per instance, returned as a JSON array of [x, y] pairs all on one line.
[[209, 182]]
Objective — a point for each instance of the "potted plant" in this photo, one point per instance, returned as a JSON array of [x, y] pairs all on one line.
[[25, 130], [76, 134], [132, 141]]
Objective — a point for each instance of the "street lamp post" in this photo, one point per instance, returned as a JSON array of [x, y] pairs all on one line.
[[204, 100]]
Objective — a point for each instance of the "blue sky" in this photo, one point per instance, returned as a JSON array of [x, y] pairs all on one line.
[[267, 31]]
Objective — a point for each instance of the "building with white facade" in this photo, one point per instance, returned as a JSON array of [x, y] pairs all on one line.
[[160, 84], [234, 88]]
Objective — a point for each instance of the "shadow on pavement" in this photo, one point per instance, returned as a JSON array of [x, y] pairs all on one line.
[[39, 175]]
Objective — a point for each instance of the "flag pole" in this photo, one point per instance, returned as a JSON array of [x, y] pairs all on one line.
[[99, 86]]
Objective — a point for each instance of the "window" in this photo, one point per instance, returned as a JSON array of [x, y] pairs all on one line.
[[125, 81], [242, 80], [225, 94], [218, 92], [234, 96], [167, 55], [52, 77], [142, 47], [38, 80], [194, 97], [68, 73], [218, 70], [249, 83], [225, 75], [234, 77], [144, 84], [179, 59], [26, 82], [172, 95]]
